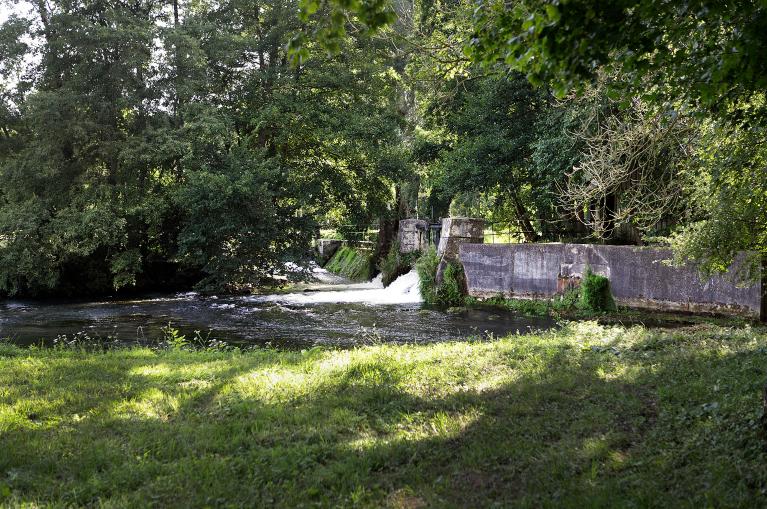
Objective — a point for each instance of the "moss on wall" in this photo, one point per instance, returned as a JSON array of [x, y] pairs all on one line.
[[351, 262]]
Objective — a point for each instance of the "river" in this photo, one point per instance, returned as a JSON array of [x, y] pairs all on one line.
[[330, 311]]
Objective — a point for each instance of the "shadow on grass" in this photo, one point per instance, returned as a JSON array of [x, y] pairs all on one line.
[[587, 427]]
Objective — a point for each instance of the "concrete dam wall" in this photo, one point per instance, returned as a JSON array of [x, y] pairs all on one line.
[[638, 276]]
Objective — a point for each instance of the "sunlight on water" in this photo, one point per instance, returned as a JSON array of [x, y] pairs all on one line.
[[329, 311], [404, 290]]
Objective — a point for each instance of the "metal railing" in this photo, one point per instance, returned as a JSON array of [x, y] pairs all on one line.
[[350, 233], [495, 233]]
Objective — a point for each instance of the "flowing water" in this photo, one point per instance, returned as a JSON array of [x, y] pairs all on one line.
[[331, 311]]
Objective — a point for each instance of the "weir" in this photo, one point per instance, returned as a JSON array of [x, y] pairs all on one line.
[[404, 290], [640, 277]]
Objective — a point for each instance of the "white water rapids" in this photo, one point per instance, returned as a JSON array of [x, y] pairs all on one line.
[[404, 290]]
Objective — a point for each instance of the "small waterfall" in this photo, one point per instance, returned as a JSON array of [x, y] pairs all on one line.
[[404, 290]]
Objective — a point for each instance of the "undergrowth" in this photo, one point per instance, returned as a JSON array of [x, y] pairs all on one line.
[[595, 293], [426, 266], [450, 291]]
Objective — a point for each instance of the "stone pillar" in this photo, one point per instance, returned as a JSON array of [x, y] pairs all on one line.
[[413, 235], [457, 231]]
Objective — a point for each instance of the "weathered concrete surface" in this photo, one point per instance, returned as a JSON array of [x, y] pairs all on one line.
[[455, 232], [638, 276], [413, 235], [326, 248]]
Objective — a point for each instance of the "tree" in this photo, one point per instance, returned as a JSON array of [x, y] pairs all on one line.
[[629, 178], [701, 58], [493, 124], [153, 139], [707, 52], [728, 193]]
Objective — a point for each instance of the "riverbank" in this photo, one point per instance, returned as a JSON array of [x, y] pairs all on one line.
[[585, 416], [567, 307]]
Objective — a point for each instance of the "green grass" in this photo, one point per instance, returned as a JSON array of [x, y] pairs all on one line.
[[567, 304], [588, 416], [350, 262]]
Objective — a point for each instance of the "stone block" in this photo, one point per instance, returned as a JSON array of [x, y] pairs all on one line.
[[413, 235], [457, 231], [465, 227]]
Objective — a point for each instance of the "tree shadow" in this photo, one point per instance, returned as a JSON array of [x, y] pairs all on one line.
[[582, 429]]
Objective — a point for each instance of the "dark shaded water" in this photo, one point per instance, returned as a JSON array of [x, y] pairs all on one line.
[[334, 314]]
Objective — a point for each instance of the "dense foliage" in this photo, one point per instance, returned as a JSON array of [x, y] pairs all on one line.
[[595, 292], [147, 141], [426, 266], [446, 289], [693, 69], [147, 144]]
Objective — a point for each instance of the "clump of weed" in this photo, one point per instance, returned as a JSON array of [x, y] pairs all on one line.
[[83, 340], [595, 293], [352, 263], [426, 266], [448, 292], [173, 339]]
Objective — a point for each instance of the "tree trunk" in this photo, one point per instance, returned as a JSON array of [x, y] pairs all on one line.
[[523, 217], [763, 311], [387, 232]]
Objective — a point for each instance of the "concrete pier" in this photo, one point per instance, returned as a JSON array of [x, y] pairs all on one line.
[[413, 235], [457, 231]]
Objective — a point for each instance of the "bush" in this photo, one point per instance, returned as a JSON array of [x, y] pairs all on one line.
[[450, 291], [426, 266], [568, 301], [595, 292]]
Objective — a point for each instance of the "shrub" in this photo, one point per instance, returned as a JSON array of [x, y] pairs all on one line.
[[426, 266], [568, 301], [595, 292], [450, 292]]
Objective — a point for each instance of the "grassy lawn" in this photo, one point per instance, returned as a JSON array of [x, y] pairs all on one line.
[[589, 416]]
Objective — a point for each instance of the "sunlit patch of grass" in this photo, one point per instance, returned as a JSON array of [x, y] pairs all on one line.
[[587, 415], [180, 371], [152, 403]]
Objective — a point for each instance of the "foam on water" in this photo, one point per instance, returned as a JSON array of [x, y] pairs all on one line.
[[404, 290]]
